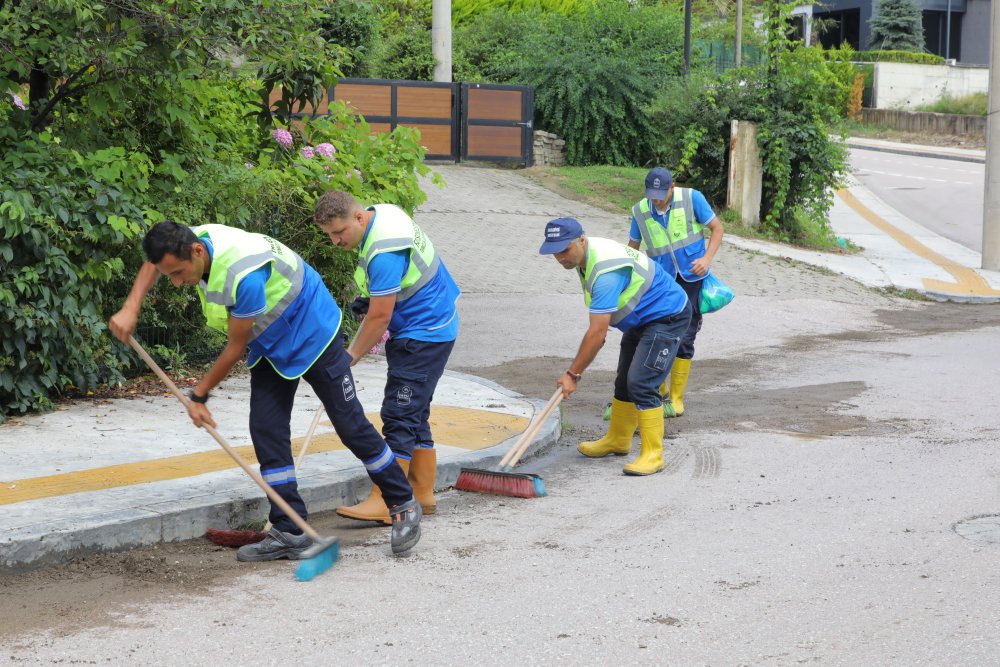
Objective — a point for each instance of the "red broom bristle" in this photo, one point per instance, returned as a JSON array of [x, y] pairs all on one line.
[[234, 538], [496, 483]]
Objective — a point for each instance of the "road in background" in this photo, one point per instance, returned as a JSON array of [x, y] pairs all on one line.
[[945, 196]]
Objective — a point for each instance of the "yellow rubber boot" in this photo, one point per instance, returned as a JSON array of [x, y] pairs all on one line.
[[678, 384], [618, 441], [651, 436], [373, 507], [423, 472]]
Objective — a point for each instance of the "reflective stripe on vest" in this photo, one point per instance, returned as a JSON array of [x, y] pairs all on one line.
[[236, 253], [681, 226], [394, 230], [604, 255]]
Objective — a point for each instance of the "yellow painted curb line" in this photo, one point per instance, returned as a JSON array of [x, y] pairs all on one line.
[[467, 428], [967, 281]]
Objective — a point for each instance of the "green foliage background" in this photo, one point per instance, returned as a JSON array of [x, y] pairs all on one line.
[[138, 112]]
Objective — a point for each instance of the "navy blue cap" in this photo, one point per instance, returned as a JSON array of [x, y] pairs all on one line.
[[559, 233], [658, 181]]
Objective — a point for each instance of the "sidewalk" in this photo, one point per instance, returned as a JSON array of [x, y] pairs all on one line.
[[896, 252], [108, 475]]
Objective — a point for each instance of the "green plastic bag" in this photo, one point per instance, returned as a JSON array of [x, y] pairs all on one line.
[[714, 294]]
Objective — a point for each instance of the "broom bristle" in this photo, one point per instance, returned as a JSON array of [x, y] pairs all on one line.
[[517, 485], [318, 558], [234, 538]]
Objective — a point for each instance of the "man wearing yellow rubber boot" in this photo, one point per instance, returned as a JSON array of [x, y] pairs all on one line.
[[625, 289], [669, 225]]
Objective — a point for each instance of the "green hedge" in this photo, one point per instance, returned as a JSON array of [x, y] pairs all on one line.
[[889, 57]]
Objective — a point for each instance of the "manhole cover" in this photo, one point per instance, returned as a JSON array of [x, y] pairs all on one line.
[[983, 529]]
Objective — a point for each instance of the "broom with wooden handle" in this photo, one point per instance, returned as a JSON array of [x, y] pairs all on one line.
[[324, 552], [503, 482], [239, 538]]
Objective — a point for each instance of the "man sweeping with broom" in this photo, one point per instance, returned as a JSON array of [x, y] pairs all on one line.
[[412, 296], [267, 299], [623, 288]]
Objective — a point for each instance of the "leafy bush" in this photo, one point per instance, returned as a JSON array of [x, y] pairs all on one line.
[[66, 219], [889, 56], [465, 11], [795, 110]]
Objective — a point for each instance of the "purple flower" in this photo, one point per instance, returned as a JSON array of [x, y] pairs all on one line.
[[18, 102], [248, 165], [326, 150], [283, 137], [308, 152]]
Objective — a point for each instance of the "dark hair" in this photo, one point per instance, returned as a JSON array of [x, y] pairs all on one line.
[[335, 205], [168, 238]]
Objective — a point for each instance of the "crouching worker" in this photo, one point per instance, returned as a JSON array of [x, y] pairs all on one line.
[[265, 297], [412, 296], [623, 288]]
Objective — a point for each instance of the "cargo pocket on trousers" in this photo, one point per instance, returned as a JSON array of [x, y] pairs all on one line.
[[661, 352], [404, 381]]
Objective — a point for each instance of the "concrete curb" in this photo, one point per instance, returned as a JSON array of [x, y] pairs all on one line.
[[918, 152], [236, 504]]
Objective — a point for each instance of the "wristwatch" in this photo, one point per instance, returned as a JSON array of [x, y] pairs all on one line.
[[195, 398], [576, 376]]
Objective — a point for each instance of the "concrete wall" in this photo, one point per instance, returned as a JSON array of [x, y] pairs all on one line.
[[934, 123], [906, 86], [976, 33]]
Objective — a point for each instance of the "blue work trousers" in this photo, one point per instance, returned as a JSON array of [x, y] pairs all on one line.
[[271, 400], [693, 290], [415, 366], [647, 351]]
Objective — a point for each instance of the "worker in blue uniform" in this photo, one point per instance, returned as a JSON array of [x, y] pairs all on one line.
[[265, 297], [625, 289], [411, 295]]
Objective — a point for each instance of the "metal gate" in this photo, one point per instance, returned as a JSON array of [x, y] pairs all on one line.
[[427, 106], [497, 123], [468, 122]]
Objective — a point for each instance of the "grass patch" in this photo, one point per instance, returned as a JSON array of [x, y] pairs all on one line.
[[975, 104], [617, 189]]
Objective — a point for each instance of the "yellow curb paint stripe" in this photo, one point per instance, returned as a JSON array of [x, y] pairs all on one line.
[[967, 281], [466, 428]]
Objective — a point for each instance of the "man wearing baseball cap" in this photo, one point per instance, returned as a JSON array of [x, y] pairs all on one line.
[[625, 289], [668, 224]]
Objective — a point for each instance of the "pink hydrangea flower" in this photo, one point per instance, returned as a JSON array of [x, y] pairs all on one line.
[[18, 102], [326, 150], [380, 345], [308, 152], [283, 137]]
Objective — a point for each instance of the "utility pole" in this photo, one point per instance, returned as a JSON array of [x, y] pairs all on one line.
[[739, 32], [947, 33], [687, 38], [441, 39], [991, 194]]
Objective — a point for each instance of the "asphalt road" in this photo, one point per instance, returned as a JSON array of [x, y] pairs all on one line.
[[945, 196], [814, 508]]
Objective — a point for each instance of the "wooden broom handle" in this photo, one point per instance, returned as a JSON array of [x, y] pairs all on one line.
[[309, 435], [254, 475], [521, 446]]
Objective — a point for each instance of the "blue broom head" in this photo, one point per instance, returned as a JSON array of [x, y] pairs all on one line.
[[318, 558], [539, 487]]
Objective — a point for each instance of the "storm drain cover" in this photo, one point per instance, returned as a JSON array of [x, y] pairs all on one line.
[[983, 529]]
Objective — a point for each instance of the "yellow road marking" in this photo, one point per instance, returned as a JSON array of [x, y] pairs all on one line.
[[467, 428], [967, 282]]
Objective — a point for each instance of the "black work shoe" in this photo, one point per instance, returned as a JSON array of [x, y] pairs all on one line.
[[276, 545], [405, 526]]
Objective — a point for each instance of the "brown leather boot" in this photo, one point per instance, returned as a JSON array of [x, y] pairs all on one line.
[[373, 507], [423, 472]]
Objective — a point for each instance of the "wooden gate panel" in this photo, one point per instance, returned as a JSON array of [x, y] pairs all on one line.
[[497, 123]]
